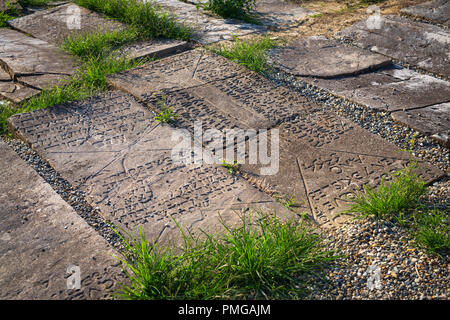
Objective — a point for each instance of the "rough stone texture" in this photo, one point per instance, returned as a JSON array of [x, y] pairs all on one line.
[[419, 44], [16, 92], [41, 236], [433, 120], [388, 89], [280, 13], [437, 11], [55, 24], [4, 76], [324, 58], [208, 28], [110, 147], [205, 87], [154, 48], [33, 60]]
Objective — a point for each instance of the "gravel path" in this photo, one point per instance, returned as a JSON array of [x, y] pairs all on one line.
[[406, 272]]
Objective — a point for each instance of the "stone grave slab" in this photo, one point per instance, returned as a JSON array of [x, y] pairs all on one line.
[[390, 88], [55, 24], [304, 129], [33, 60], [437, 11], [41, 236], [16, 92], [433, 121], [111, 147], [208, 28], [416, 43], [323, 58], [280, 13]]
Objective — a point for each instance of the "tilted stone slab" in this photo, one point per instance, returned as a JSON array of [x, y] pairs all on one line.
[[388, 89], [280, 13], [111, 147], [416, 43], [323, 58], [56, 24], [41, 236], [437, 11], [22, 57], [305, 131], [433, 121], [207, 28]]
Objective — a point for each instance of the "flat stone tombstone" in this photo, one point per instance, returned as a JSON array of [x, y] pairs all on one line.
[[280, 13], [33, 61], [437, 11], [323, 58], [207, 27], [43, 240], [131, 167], [56, 24], [196, 86], [419, 44], [433, 120]]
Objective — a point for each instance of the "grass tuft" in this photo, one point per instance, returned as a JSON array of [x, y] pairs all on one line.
[[250, 53], [263, 259]]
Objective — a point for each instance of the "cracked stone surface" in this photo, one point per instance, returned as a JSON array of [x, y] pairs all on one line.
[[208, 28], [437, 11], [16, 92], [55, 24], [111, 147], [416, 43], [388, 89], [41, 236], [323, 58], [433, 121], [33, 61], [204, 87]]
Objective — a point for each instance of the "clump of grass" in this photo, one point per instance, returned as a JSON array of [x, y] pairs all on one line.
[[250, 53], [431, 231], [288, 203], [149, 19], [4, 17], [231, 166], [401, 195], [238, 9], [37, 3], [262, 259]]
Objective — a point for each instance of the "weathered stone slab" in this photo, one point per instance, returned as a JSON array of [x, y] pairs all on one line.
[[280, 13], [4, 76], [437, 11], [110, 147], [209, 91], [208, 28], [154, 48], [323, 58], [419, 44], [23, 56], [388, 89], [56, 24], [16, 92], [433, 120], [41, 236]]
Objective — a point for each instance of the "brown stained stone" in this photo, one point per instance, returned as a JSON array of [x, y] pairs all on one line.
[[207, 27], [110, 147], [416, 43], [323, 58], [56, 24], [16, 92], [437, 11], [23, 56], [4, 76], [280, 13], [433, 120], [41, 236]]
